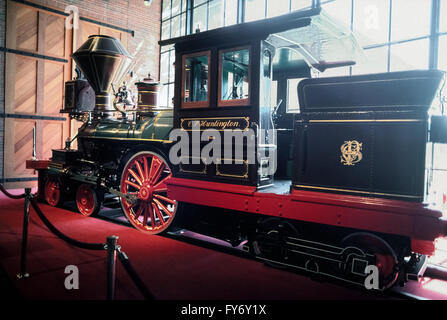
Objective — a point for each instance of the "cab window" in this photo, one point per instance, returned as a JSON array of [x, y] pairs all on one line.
[[234, 77], [196, 80]]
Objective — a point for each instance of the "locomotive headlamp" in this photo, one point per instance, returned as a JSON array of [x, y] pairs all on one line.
[[147, 3]]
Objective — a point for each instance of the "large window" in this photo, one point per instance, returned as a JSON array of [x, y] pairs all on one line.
[[260, 9], [173, 24], [395, 34], [211, 14]]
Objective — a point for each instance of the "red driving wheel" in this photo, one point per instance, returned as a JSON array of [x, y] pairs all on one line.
[[144, 177], [87, 200], [53, 193]]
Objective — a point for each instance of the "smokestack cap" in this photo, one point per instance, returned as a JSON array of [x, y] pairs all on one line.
[[103, 60]]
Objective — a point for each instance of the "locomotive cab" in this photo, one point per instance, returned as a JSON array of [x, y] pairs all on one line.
[[226, 81]]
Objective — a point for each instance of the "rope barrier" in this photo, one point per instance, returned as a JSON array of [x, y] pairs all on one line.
[[76, 243], [111, 247], [134, 275], [12, 196]]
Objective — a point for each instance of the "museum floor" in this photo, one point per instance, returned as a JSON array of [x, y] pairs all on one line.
[[171, 267]]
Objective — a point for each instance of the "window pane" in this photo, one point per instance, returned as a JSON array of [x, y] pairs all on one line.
[[196, 79], [409, 56], [254, 10], [443, 21], [172, 66], [198, 2], [377, 61], [293, 104], [230, 12], [371, 21], [166, 9], [277, 7], [199, 18], [442, 65], [234, 81], [274, 94], [215, 14], [175, 27], [410, 19], [336, 72], [183, 25], [171, 95], [301, 4], [176, 7], [163, 96], [442, 56], [340, 10], [164, 67], [165, 29]]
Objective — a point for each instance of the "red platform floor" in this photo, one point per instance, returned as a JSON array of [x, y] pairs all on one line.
[[172, 269]]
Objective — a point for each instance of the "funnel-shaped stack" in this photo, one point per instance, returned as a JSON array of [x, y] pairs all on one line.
[[103, 60]]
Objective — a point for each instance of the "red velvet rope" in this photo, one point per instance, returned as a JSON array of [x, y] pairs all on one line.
[[12, 196]]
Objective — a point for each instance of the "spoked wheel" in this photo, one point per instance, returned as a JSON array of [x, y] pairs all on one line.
[[53, 194], [271, 236], [386, 259], [87, 200], [144, 178]]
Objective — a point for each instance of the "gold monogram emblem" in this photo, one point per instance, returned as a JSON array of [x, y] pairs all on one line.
[[350, 153]]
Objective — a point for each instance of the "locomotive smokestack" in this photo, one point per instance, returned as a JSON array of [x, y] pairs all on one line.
[[103, 60]]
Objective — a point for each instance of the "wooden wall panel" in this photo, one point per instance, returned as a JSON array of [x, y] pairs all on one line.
[[54, 35], [53, 88], [52, 136], [34, 88], [21, 149], [26, 28], [86, 29], [25, 84], [111, 33]]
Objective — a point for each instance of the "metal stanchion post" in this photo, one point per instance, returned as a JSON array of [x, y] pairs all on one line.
[[23, 274], [112, 242]]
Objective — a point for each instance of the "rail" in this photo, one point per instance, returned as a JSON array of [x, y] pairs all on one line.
[[111, 246]]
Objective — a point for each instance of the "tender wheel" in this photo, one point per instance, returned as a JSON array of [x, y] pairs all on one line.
[[53, 194], [144, 178], [386, 259], [269, 243], [87, 200]]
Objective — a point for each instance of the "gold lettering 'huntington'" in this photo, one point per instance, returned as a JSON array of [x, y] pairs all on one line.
[[221, 124]]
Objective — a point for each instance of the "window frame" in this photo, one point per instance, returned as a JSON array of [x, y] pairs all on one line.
[[196, 104], [234, 102]]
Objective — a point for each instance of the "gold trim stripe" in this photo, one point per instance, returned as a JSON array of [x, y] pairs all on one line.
[[366, 120], [355, 191], [129, 139]]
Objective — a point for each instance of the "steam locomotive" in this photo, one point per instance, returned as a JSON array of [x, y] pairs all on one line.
[[349, 187]]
